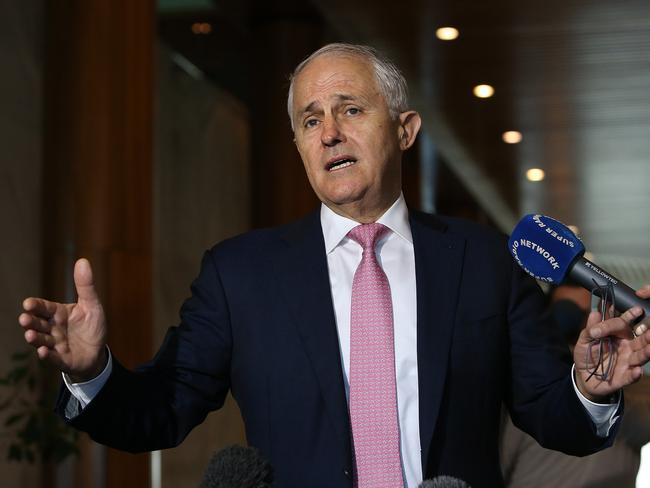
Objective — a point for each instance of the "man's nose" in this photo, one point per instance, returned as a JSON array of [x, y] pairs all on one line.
[[331, 134]]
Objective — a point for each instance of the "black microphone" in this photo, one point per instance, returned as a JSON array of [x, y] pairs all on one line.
[[548, 250], [444, 482], [238, 467]]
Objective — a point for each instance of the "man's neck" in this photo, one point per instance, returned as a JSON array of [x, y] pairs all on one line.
[[364, 214]]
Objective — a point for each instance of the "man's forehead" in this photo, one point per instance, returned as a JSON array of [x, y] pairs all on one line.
[[327, 71], [334, 79]]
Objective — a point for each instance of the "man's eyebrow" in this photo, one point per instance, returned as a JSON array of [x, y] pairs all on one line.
[[311, 107], [344, 98], [339, 97]]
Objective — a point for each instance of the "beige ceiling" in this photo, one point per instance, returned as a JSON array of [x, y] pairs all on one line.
[[572, 76]]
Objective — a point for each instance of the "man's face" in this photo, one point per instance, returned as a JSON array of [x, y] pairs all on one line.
[[350, 146]]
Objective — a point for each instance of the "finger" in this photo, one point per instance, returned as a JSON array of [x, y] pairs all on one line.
[[641, 327], [619, 326], [51, 355], [632, 375], [594, 318], [83, 281], [641, 340], [640, 356], [611, 311], [43, 352], [40, 307], [38, 339], [644, 292], [29, 321]]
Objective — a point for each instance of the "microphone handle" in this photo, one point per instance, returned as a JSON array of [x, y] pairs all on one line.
[[588, 275]]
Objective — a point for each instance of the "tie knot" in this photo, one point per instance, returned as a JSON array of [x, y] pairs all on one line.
[[367, 235]]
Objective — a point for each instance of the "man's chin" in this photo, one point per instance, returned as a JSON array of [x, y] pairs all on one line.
[[345, 199]]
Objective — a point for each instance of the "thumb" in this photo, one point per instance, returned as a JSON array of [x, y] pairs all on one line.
[[83, 281]]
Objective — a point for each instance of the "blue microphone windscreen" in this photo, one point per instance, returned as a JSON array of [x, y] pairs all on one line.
[[544, 247]]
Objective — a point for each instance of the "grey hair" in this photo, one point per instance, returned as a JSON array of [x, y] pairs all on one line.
[[389, 78]]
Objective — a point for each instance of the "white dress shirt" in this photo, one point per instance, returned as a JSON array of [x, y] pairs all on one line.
[[397, 258]]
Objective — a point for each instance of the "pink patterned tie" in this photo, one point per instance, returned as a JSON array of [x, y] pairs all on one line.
[[373, 397]]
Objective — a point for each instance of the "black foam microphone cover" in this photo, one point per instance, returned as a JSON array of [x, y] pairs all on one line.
[[238, 467]]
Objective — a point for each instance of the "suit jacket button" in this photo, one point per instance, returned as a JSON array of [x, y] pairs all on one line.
[[347, 473]]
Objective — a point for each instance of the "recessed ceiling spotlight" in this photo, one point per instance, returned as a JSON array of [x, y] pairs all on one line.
[[447, 33], [511, 137], [201, 28], [483, 91], [535, 174]]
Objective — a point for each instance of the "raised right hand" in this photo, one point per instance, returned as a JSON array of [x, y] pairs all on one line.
[[72, 336]]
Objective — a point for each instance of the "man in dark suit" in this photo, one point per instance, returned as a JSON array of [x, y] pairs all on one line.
[[275, 316]]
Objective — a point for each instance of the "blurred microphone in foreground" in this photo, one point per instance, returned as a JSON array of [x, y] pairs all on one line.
[[238, 467], [444, 482], [548, 250]]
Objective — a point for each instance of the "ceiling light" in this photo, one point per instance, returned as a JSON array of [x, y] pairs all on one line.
[[447, 33], [535, 174], [201, 28], [483, 91], [512, 137]]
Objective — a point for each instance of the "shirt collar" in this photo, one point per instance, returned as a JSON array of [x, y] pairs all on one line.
[[336, 227]]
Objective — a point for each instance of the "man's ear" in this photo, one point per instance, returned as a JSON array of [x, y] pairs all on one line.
[[408, 129]]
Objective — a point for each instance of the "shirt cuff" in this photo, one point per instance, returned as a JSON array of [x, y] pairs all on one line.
[[602, 414], [85, 392]]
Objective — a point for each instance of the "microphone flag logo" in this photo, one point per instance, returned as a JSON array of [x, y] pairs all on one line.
[[544, 247]]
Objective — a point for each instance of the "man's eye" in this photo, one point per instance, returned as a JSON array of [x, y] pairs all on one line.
[[311, 123], [352, 111]]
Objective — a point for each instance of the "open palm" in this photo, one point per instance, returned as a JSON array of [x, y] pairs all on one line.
[[70, 335], [608, 356]]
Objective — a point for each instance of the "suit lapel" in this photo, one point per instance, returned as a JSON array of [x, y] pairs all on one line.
[[438, 264], [304, 279]]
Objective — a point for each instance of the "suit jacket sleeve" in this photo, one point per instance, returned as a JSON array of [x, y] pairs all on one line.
[[542, 399], [157, 405]]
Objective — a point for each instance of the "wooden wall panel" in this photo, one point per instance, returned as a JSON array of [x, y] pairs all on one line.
[[98, 180], [281, 190]]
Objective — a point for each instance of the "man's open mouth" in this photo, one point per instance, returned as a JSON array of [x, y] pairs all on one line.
[[344, 162]]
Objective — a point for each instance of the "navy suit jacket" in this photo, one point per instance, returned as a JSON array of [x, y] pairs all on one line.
[[260, 322]]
